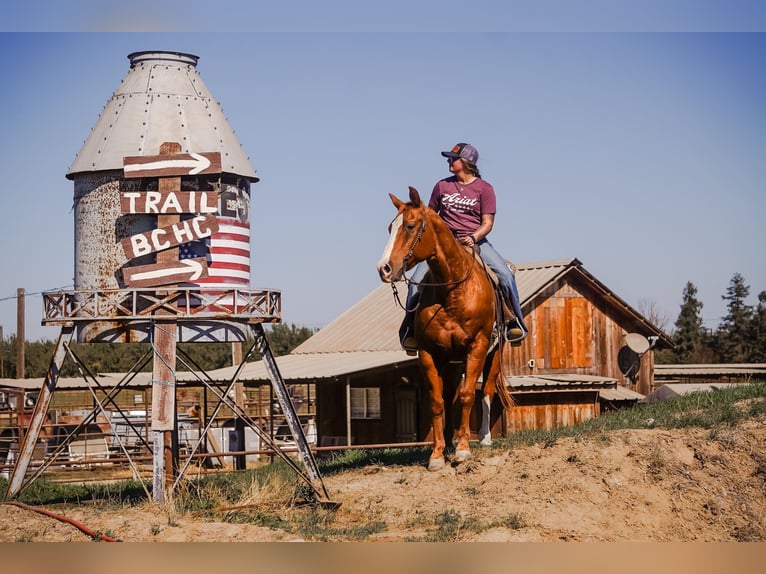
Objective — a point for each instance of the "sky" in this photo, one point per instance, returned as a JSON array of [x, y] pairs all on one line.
[[634, 144]]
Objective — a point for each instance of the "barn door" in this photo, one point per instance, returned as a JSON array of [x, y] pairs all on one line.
[[406, 415]]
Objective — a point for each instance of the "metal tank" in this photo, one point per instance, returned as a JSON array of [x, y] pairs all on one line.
[[161, 99]]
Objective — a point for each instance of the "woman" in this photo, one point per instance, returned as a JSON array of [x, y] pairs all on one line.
[[466, 203]]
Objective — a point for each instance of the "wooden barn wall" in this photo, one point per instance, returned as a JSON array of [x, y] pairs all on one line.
[[574, 330], [551, 410], [331, 410], [395, 387]]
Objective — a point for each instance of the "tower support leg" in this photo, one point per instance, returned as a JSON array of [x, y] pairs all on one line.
[[288, 409], [32, 433]]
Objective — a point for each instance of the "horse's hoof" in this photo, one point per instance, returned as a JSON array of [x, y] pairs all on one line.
[[486, 441], [435, 464], [462, 455]]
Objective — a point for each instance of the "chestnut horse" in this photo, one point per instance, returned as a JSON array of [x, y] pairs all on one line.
[[454, 319]]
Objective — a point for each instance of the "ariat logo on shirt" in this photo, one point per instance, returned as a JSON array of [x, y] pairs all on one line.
[[458, 202]]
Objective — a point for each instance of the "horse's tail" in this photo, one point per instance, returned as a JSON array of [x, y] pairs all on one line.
[[502, 390]]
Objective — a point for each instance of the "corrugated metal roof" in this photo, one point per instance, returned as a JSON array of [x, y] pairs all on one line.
[[373, 323], [523, 383], [673, 390], [620, 393], [319, 366], [161, 99], [710, 369]]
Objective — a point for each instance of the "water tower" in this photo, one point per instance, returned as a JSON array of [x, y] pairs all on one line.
[[162, 244]]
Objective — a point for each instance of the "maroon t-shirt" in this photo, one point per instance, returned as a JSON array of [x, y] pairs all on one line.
[[461, 206]]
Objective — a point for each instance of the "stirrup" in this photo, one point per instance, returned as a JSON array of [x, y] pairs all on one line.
[[514, 334], [410, 345]]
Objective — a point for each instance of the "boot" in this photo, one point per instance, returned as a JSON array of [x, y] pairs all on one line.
[[407, 339]]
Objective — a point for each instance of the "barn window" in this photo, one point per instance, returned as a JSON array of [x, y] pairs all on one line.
[[365, 403]]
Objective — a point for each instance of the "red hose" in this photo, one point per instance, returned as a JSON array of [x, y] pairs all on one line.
[[81, 527]]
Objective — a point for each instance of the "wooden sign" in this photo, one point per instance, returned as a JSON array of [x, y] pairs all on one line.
[[171, 164], [171, 202], [181, 271], [170, 236]]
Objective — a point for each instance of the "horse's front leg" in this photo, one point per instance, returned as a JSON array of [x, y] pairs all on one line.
[[436, 392], [466, 394]]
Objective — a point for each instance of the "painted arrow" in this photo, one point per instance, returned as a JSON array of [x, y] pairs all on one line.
[[163, 274], [172, 165]]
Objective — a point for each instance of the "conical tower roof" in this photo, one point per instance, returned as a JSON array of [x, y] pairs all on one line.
[[162, 99]]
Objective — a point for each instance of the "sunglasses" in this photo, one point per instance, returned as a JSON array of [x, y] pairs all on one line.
[[451, 160]]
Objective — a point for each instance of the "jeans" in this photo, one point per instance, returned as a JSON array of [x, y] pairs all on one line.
[[493, 260]]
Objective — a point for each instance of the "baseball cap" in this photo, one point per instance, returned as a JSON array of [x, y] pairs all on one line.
[[463, 151]]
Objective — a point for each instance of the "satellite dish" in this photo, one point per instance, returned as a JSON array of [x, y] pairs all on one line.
[[637, 342], [628, 361]]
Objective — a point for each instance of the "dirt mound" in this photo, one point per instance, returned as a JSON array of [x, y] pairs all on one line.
[[635, 485]]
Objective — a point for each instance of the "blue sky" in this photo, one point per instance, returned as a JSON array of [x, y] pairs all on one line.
[[641, 154]]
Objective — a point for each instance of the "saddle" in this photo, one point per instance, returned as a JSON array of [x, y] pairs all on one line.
[[506, 322]]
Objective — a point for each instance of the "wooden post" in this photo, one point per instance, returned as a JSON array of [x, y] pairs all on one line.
[[20, 335], [164, 416]]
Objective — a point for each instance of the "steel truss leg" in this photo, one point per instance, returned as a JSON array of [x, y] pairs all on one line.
[[27, 447], [288, 409]]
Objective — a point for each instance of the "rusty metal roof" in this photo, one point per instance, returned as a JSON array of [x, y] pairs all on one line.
[[161, 99], [551, 382]]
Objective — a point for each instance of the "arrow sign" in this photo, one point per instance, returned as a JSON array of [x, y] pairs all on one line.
[[171, 164], [169, 236], [164, 273]]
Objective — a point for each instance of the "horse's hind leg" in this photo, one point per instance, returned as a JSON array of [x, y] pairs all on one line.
[[490, 381]]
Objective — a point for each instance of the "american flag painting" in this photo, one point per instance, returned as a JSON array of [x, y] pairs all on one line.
[[228, 255]]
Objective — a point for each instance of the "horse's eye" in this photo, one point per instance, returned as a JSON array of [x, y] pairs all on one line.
[[410, 227]]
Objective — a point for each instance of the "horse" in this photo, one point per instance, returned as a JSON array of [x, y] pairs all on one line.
[[454, 320]]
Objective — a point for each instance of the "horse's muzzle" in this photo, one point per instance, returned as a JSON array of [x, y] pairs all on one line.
[[387, 274]]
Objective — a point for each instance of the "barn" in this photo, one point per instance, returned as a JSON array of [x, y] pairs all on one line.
[[576, 362]]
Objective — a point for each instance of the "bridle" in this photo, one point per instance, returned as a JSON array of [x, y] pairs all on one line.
[[408, 281]]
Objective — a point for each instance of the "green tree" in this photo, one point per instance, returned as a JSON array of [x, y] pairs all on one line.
[[733, 338], [758, 331], [689, 335], [283, 338], [122, 357]]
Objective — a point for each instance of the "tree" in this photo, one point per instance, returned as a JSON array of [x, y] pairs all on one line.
[[733, 341], [652, 313], [758, 331], [689, 335], [283, 339]]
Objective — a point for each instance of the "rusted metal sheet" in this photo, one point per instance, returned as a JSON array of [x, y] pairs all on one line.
[[158, 274], [178, 164], [170, 202], [169, 236]]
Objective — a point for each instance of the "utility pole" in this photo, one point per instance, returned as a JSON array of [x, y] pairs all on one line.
[[20, 336]]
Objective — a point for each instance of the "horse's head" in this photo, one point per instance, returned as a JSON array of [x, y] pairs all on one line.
[[406, 245]]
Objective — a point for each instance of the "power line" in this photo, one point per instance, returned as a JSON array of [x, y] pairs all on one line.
[[28, 293]]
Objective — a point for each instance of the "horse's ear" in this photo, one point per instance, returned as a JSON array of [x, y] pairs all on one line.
[[396, 201], [414, 197]]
